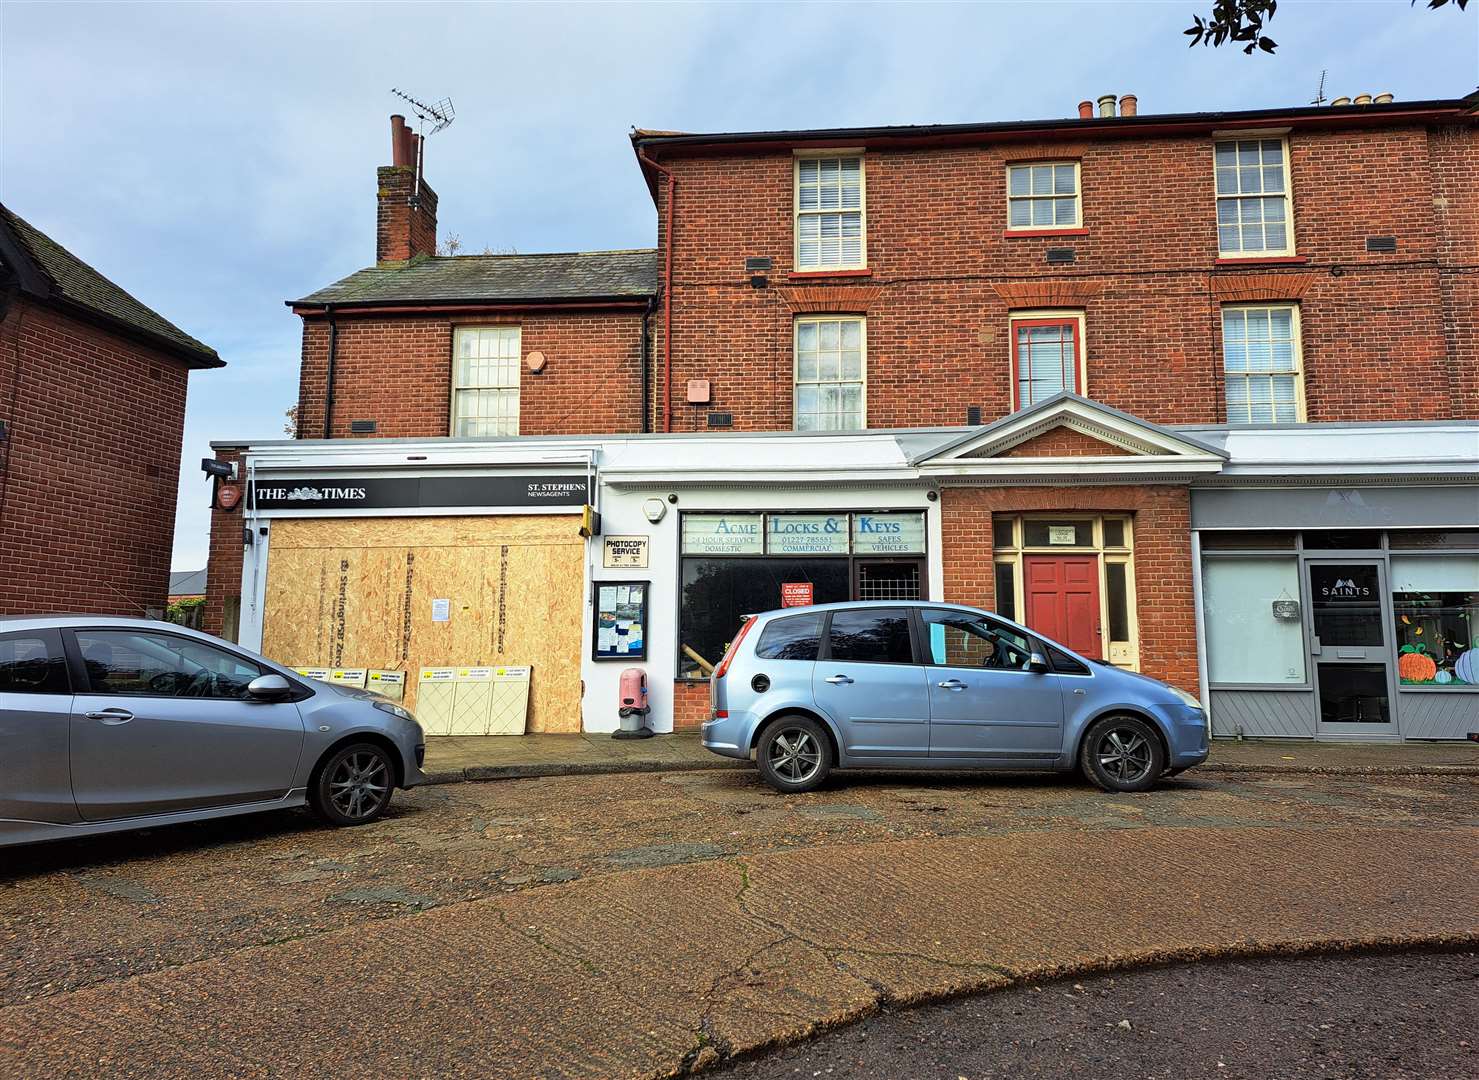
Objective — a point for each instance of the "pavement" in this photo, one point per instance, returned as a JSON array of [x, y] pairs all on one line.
[[453, 758], [1393, 1017], [659, 924]]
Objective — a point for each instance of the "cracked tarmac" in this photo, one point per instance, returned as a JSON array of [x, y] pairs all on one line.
[[644, 925]]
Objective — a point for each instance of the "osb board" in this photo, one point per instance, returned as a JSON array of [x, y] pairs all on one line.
[[358, 591]]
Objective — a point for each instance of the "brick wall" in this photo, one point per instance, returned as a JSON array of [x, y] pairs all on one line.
[[1384, 335], [90, 466], [397, 370], [1163, 569], [223, 576]]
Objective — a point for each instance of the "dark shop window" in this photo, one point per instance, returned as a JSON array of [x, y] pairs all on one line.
[[719, 592], [1006, 591]]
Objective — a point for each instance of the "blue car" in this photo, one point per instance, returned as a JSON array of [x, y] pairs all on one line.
[[915, 685]]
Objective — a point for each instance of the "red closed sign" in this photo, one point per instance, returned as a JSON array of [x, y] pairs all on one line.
[[796, 594]]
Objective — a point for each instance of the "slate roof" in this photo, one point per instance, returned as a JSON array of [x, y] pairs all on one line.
[[438, 279], [49, 271], [187, 583]]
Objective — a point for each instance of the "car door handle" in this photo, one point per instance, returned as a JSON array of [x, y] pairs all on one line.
[[838, 680], [112, 717], [951, 684]]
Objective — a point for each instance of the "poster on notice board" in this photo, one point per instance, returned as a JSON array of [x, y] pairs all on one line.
[[620, 631]]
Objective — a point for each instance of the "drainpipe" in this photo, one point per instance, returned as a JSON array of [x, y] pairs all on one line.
[[329, 387], [667, 296], [647, 364]]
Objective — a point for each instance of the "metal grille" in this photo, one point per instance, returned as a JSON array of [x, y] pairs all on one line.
[[888, 582]]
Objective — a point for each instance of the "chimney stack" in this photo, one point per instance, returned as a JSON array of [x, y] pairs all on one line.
[[1106, 105], [1086, 110], [1127, 105], [406, 207]]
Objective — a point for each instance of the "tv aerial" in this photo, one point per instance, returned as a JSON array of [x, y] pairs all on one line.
[[432, 118], [1320, 93]]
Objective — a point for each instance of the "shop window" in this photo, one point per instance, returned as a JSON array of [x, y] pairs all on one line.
[[1342, 539], [830, 383], [1435, 601], [1043, 195], [1262, 364], [1254, 213], [1248, 540], [485, 380], [830, 214], [796, 638], [871, 636], [1432, 539], [1250, 609], [1047, 355]]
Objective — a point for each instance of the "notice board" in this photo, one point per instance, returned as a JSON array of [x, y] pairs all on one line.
[[620, 621]]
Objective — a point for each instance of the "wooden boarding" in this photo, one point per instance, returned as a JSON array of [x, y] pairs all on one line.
[[359, 591]]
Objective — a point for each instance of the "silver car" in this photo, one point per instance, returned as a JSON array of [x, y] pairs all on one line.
[[109, 724], [915, 685]]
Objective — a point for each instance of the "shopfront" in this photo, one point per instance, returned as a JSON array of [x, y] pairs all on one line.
[[1341, 632]]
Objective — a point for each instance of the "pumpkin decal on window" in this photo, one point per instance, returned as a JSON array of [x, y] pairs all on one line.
[[1415, 666], [1466, 668]]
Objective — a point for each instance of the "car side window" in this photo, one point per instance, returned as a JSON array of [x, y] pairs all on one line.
[[797, 637], [32, 662], [143, 664], [871, 636], [1065, 664], [960, 639]]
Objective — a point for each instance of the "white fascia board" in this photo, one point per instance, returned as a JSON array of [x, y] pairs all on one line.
[[753, 477], [412, 456], [1074, 467]]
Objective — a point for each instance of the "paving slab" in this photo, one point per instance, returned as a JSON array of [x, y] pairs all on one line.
[[450, 759]]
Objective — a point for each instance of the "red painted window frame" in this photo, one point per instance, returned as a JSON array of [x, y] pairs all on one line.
[[1059, 320]]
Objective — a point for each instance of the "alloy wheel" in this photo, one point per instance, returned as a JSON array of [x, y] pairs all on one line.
[[794, 755], [1124, 755], [359, 784]]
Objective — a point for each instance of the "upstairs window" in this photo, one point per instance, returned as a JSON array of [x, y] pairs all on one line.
[[830, 383], [1047, 356], [1254, 213], [485, 381], [1043, 196], [830, 230], [1261, 360]]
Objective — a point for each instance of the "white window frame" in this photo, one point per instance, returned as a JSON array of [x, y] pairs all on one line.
[[797, 383], [1238, 197], [1078, 199], [454, 413], [1055, 315], [797, 213], [1297, 336]]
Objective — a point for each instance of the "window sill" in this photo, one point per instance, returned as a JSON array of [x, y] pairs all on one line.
[[1014, 234], [1255, 260], [808, 275]]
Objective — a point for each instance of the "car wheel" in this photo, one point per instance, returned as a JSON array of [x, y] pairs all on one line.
[[1122, 753], [354, 785], [794, 755]]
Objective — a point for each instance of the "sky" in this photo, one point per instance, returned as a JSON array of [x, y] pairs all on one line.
[[216, 159]]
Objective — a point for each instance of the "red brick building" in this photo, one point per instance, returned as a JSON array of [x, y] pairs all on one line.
[[92, 408], [1119, 279]]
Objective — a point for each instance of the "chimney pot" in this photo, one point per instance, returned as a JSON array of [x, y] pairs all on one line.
[[1384, 98], [1363, 99], [1106, 104], [1127, 105], [1340, 101], [1085, 110], [398, 132]]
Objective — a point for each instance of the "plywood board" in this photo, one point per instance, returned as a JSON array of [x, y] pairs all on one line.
[[359, 591]]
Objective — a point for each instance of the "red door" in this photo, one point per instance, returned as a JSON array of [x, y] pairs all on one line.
[[1063, 600]]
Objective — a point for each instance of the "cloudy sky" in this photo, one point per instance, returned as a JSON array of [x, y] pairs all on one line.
[[215, 159]]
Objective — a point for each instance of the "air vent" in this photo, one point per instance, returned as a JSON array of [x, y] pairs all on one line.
[[1060, 255], [973, 416], [1381, 244], [757, 263], [362, 427], [721, 419]]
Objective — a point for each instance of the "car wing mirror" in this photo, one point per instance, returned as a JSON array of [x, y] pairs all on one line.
[[269, 688], [1038, 663]]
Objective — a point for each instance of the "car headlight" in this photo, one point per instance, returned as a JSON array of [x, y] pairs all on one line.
[[394, 710], [1189, 700]]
